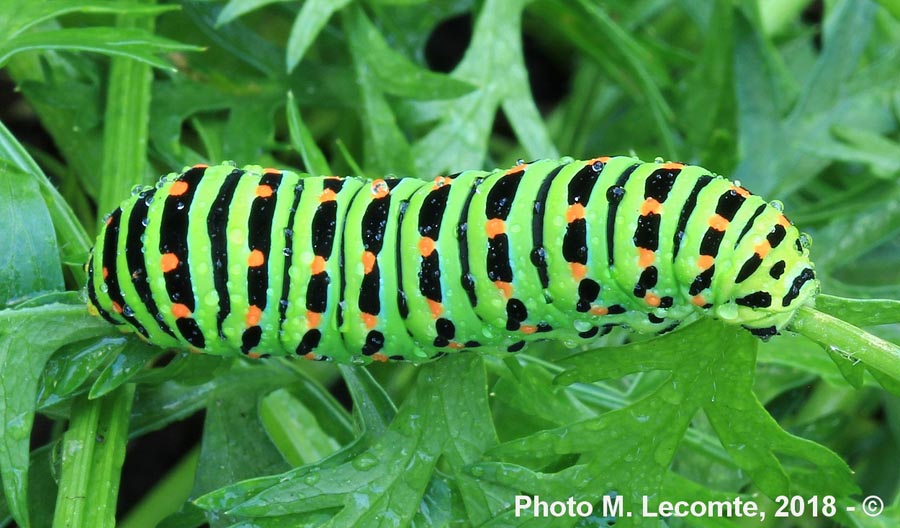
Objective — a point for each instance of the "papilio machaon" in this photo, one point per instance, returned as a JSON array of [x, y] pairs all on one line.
[[219, 259]]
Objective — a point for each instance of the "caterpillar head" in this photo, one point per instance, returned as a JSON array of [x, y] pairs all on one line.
[[772, 277]]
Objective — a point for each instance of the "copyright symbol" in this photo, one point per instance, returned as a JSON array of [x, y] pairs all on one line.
[[872, 506]]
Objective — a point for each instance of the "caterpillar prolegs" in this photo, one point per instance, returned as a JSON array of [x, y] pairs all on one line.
[[223, 260]]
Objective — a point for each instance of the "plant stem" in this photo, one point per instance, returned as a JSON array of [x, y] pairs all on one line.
[[847, 339], [168, 496], [93, 452]]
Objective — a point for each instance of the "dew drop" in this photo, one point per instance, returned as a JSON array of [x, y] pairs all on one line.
[[658, 159], [597, 166], [778, 205], [615, 194], [582, 326], [805, 240]]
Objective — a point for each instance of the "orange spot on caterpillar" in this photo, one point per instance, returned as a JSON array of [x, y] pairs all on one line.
[[178, 188], [740, 190], [783, 221], [718, 222], [378, 356], [440, 181], [256, 259], [117, 307], [671, 165], [109, 220], [318, 265], [698, 300], [313, 319], [426, 246], [105, 272], [601, 159], [270, 170], [254, 314], [494, 227], [369, 320], [368, 260], [200, 166], [506, 287], [645, 257], [309, 356], [599, 310], [762, 249], [263, 191], [651, 206], [579, 270], [704, 262], [179, 310], [652, 299], [253, 355], [168, 262], [327, 196], [574, 212], [456, 346], [194, 350], [517, 168], [436, 308], [380, 189], [528, 329]]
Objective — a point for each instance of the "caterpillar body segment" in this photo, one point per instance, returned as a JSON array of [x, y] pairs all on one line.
[[258, 261]]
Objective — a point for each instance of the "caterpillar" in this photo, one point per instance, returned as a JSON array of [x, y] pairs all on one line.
[[227, 260]]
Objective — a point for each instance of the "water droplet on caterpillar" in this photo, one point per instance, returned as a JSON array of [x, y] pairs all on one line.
[[597, 166], [582, 326], [658, 159], [230, 163], [615, 194], [805, 240], [778, 205]]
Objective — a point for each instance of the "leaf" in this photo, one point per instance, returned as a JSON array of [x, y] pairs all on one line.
[[294, 429], [126, 42], [29, 14], [701, 377], [57, 324], [496, 67], [386, 148], [68, 228], [312, 18], [394, 73], [31, 264], [391, 477], [123, 368], [237, 8], [303, 142]]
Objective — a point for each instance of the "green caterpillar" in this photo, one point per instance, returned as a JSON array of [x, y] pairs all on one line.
[[266, 262]]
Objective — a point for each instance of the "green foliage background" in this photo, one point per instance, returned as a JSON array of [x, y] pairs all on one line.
[[798, 99]]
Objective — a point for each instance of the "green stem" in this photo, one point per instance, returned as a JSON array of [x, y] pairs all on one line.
[[847, 339], [92, 456], [127, 117], [168, 496]]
